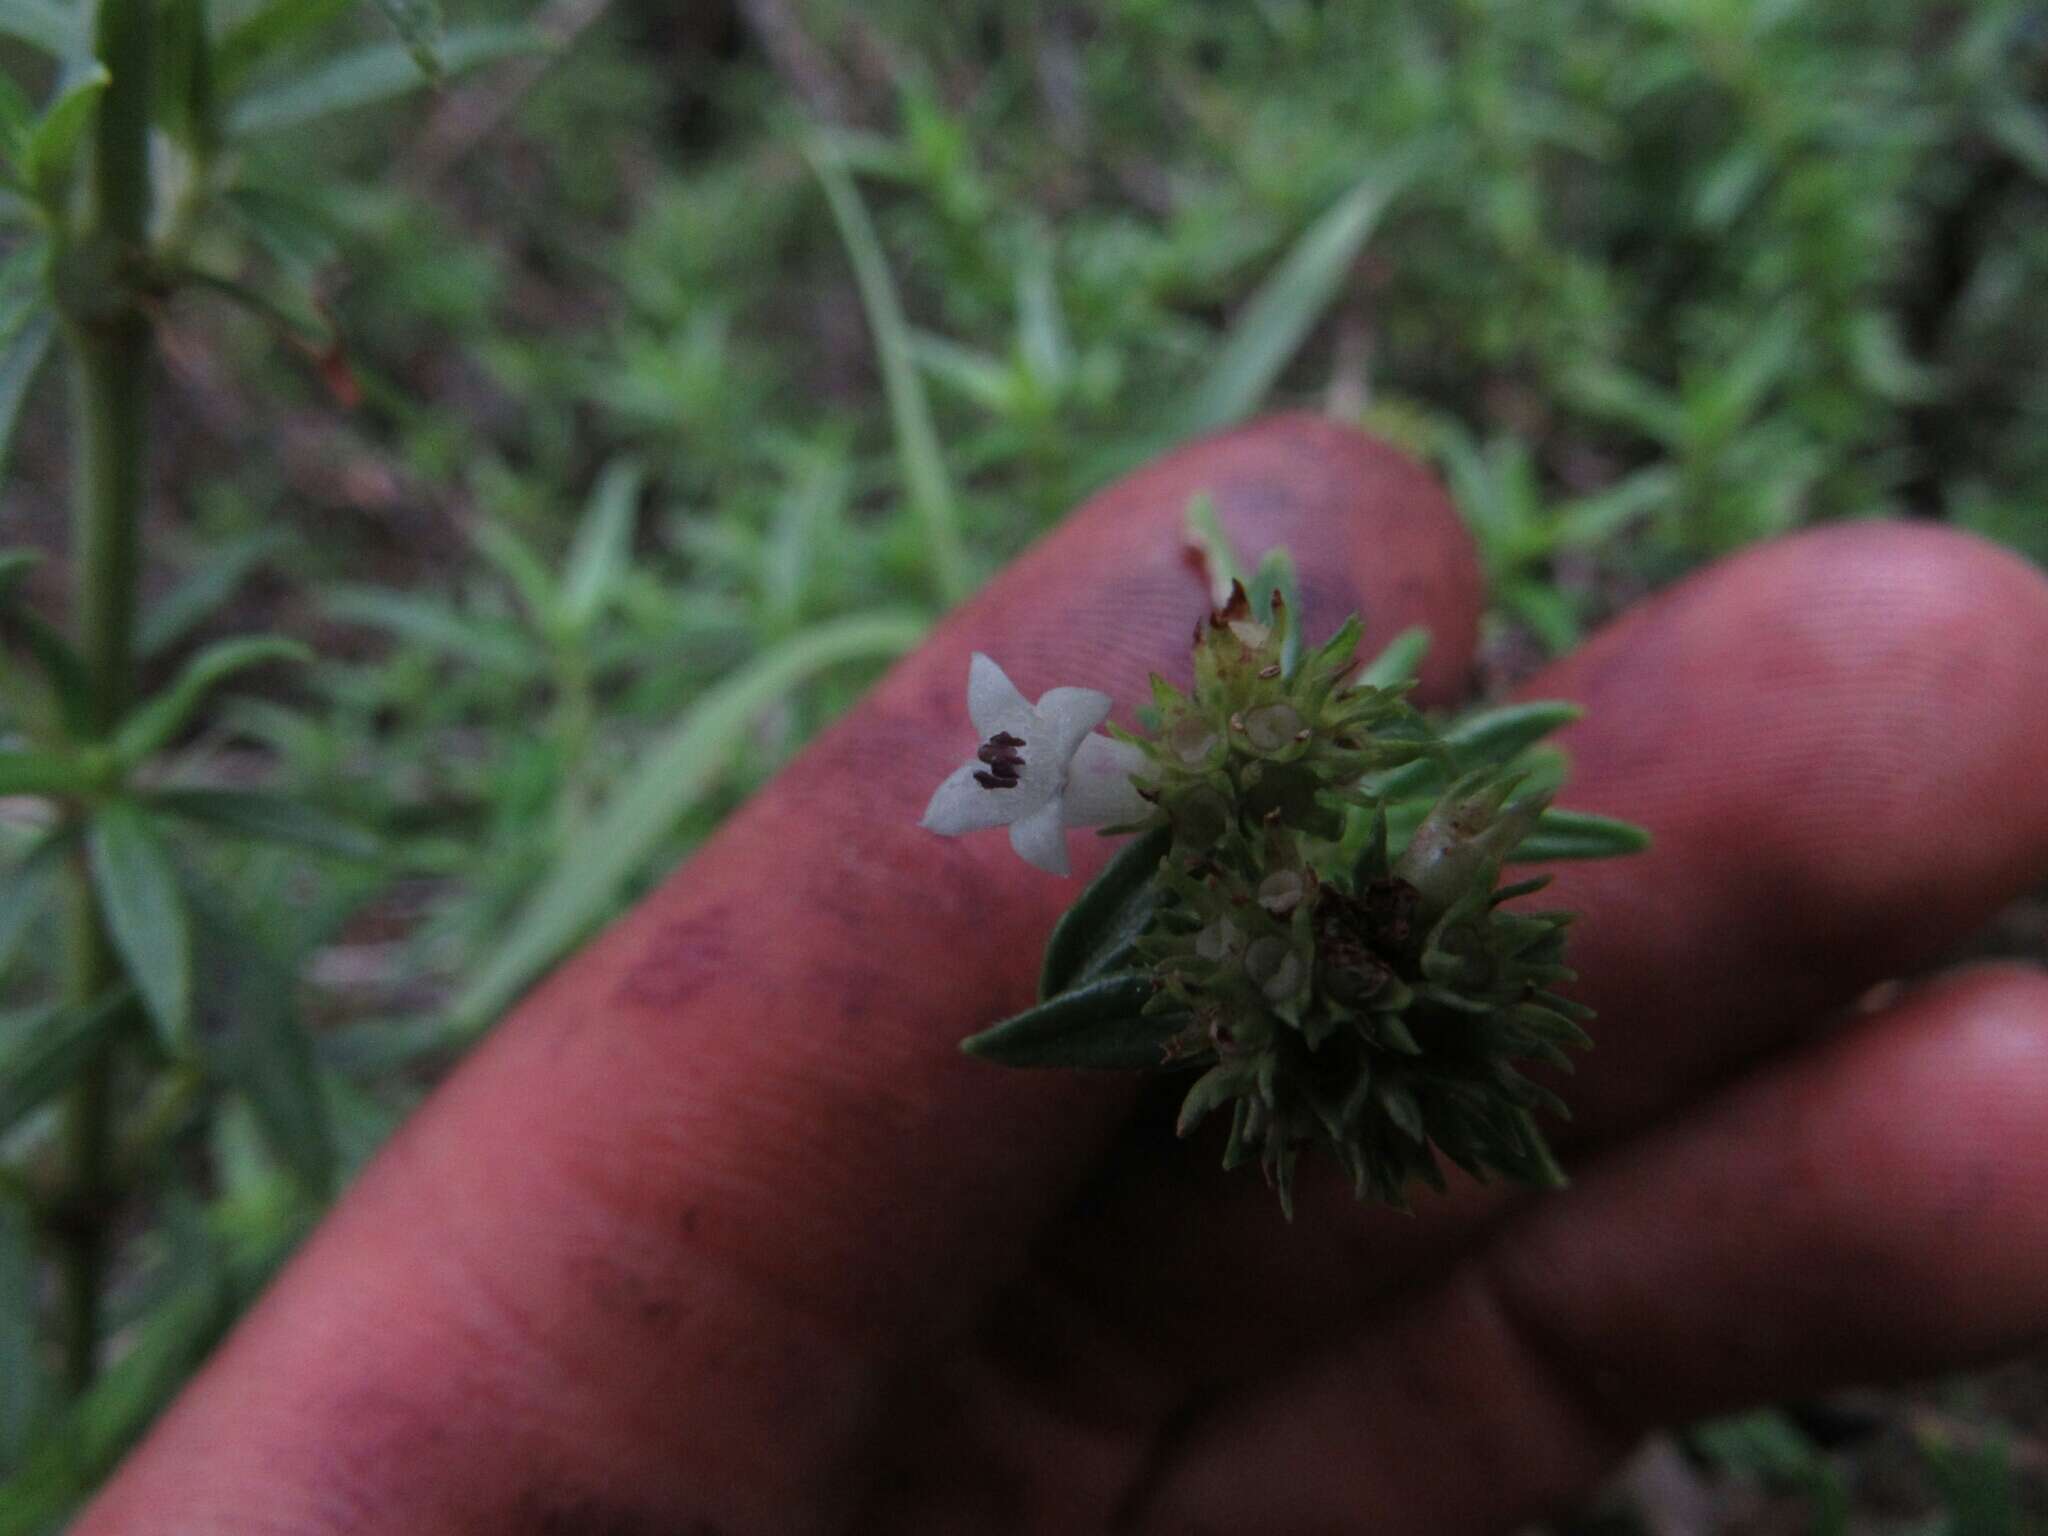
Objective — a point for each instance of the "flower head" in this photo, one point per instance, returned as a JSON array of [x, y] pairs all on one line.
[[1040, 769]]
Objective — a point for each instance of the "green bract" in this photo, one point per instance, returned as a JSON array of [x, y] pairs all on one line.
[[1314, 922]]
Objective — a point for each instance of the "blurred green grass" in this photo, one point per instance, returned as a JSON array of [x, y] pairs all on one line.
[[706, 358]]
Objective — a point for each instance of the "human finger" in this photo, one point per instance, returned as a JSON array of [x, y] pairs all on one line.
[[1875, 1207], [656, 1253]]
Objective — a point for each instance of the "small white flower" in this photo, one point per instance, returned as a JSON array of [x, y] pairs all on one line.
[[1040, 769]]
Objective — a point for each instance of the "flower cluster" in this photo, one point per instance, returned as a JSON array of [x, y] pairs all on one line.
[[1313, 922]]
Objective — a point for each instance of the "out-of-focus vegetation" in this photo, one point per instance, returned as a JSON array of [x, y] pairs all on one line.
[[604, 420]]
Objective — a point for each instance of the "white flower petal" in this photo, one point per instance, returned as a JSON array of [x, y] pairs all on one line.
[[994, 704], [961, 805], [1040, 839], [1099, 792], [1067, 715]]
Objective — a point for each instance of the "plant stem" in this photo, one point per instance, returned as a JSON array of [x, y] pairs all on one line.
[[110, 346]]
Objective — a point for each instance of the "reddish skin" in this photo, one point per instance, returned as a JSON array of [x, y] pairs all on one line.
[[719, 1233]]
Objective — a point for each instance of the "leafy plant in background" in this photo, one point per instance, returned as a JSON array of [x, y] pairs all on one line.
[[125, 184]]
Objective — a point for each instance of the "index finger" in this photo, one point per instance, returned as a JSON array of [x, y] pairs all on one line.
[[655, 1253]]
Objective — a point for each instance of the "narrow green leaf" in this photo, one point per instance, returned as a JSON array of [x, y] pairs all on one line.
[[20, 359], [603, 547], [53, 142], [1213, 1089], [1398, 662], [24, 290], [199, 596], [60, 664], [1096, 933], [1095, 1026], [26, 887], [419, 26], [988, 381], [520, 566], [500, 647], [152, 724], [146, 914], [256, 1040], [1286, 306], [184, 48], [268, 30], [1492, 738], [1578, 835], [40, 773], [21, 1366], [366, 76], [59, 30], [269, 817], [42, 1050], [670, 776], [917, 440], [1401, 1108]]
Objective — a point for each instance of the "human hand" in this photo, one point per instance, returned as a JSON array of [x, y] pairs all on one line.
[[720, 1233]]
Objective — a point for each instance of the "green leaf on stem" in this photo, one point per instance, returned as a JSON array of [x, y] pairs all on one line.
[[270, 818], [1398, 662], [185, 62], [41, 773], [367, 76], [420, 26], [60, 665], [917, 439], [154, 722], [1493, 738], [603, 547], [43, 1049], [269, 30], [501, 647], [27, 886], [1097, 932], [1578, 835], [200, 595], [53, 142], [146, 915], [256, 1040], [21, 356], [1097, 1026]]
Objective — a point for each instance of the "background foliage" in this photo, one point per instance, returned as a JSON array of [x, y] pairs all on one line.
[[602, 421]]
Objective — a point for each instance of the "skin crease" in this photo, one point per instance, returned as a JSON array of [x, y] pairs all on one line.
[[719, 1234]]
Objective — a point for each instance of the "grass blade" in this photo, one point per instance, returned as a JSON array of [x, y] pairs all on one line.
[[669, 777], [917, 440], [1286, 306], [603, 546]]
